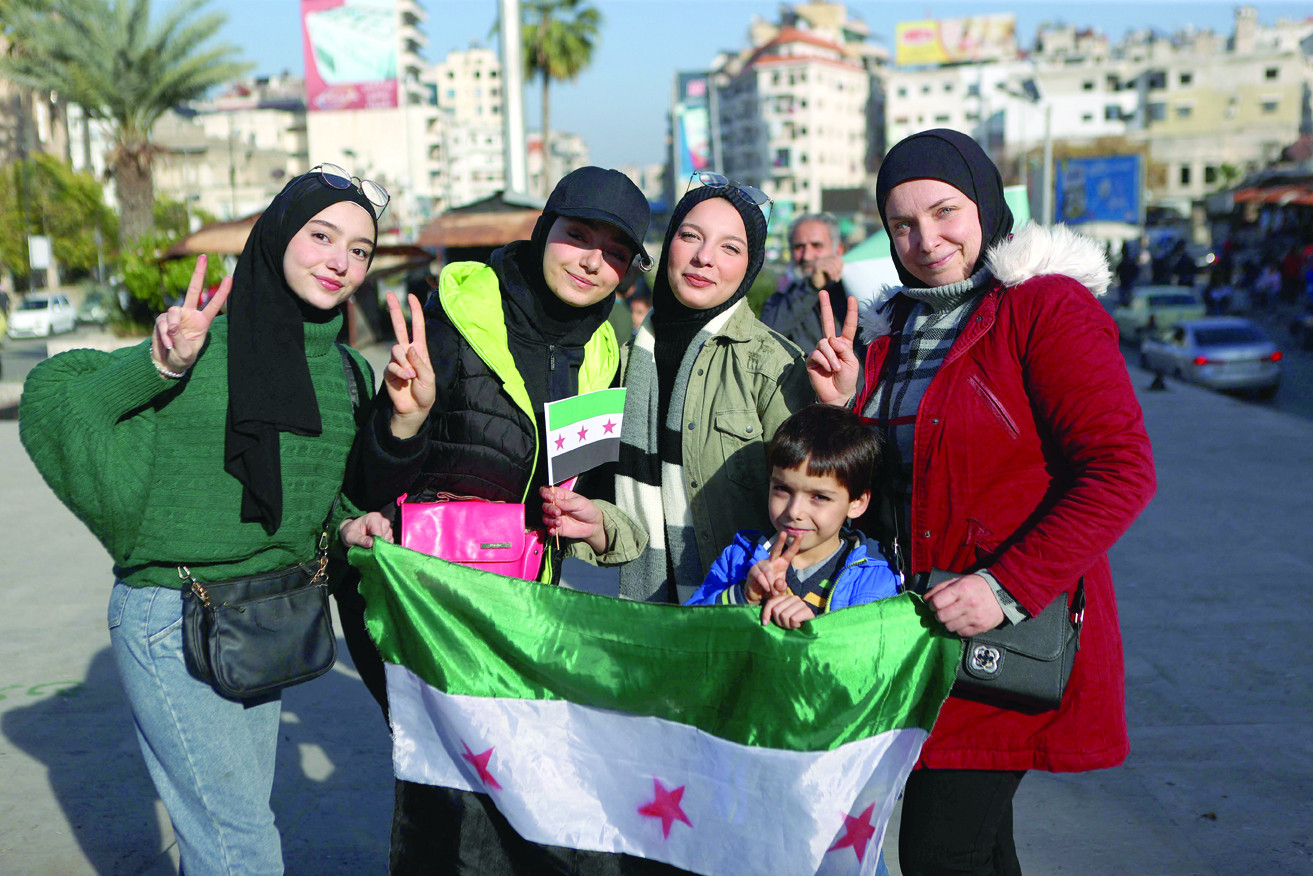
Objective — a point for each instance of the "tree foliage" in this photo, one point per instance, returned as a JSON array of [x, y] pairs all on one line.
[[42, 195], [558, 38], [122, 68]]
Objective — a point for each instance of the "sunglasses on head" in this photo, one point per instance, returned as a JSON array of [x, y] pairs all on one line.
[[338, 178], [713, 180]]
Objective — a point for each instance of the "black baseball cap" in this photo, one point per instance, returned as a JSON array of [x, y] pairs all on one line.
[[608, 196]]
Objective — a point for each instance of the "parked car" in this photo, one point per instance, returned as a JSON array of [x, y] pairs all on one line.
[[42, 315], [1156, 309], [98, 307], [1220, 352]]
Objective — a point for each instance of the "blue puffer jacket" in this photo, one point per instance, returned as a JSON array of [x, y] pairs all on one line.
[[865, 576]]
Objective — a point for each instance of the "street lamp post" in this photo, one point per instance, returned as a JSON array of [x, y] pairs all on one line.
[[1030, 93]]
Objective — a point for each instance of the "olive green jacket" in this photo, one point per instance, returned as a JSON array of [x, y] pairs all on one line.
[[746, 381]]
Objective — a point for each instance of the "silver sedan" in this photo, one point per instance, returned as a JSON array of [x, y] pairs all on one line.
[[1223, 352]]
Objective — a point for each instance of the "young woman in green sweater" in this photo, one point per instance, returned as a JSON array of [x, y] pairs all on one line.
[[219, 444]]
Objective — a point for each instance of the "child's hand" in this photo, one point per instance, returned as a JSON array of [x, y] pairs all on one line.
[[568, 514], [788, 611], [766, 577]]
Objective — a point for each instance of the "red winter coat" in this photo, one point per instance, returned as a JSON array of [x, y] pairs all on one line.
[[1030, 458]]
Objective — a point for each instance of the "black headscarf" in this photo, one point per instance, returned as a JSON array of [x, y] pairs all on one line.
[[954, 158], [269, 387]]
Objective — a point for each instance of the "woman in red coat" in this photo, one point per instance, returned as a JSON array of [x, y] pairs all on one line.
[[1020, 457]]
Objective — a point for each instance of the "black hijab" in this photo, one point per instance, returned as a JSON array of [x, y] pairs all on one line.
[[954, 158], [269, 387]]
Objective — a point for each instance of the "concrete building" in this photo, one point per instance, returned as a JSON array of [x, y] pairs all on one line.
[[568, 151], [469, 153], [230, 155], [800, 110], [394, 146], [1205, 109]]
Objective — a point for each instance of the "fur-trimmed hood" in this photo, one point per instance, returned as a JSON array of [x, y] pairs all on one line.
[[1033, 251]]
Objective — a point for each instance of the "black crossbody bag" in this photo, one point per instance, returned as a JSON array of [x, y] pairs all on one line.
[[250, 637]]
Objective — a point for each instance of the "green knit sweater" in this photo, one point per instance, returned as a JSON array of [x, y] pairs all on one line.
[[139, 459]]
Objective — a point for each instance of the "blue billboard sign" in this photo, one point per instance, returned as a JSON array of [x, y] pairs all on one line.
[[1102, 189]]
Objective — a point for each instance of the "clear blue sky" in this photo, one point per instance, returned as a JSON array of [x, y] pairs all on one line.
[[619, 104]]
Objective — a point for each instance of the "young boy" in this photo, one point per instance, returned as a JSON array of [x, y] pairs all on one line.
[[822, 462]]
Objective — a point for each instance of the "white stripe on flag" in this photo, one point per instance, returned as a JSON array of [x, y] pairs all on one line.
[[587, 778]]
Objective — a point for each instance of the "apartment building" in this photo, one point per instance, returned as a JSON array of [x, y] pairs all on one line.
[[800, 110], [1206, 109]]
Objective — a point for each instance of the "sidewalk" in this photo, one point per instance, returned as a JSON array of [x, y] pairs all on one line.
[[1212, 589]]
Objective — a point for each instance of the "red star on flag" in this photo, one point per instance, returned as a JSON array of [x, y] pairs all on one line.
[[857, 833], [609, 427], [480, 762], [665, 806], [583, 432], [560, 441]]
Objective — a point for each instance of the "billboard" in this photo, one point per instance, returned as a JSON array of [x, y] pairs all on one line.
[[1101, 189], [691, 123], [955, 40], [351, 49]]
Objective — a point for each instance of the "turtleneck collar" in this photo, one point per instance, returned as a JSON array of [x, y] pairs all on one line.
[[950, 296]]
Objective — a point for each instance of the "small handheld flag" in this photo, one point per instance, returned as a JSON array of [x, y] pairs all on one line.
[[583, 432]]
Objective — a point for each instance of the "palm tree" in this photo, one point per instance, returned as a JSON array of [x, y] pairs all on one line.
[[559, 37], [108, 57]]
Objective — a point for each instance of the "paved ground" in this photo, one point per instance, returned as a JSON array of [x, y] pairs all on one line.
[[1212, 586]]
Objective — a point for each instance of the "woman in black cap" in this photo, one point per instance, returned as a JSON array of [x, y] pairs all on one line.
[[219, 445], [996, 378], [708, 384], [463, 414]]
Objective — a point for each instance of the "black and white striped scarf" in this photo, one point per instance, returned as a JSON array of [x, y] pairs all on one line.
[[649, 484], [933, 324]]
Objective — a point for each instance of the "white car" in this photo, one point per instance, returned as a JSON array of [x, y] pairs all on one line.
[[42, 315]]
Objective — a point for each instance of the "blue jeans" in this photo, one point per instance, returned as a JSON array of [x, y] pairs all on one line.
[[211, 758]]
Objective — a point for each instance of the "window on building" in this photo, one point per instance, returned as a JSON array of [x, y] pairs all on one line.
[[1087, 85], [1087, 117], [902, 91], [1114, 82], [1155, 79], [492, 74], [941, 119], [1186, 78], [1157, 112], [973, 89], [1184, 111], [1210, 174], [781, 158], [1185, 174], [1272, 73], [948, 87], [925, 89], [1269, 106], [478, 74]]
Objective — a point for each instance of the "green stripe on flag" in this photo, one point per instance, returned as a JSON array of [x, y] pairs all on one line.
[[583, 407], [844, 676]]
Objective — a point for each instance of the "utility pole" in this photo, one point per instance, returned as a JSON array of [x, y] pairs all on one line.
[[512, 65]]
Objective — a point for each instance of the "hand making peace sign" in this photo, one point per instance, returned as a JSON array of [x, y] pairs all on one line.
[[180, 331], [409, 376], [832, 367]]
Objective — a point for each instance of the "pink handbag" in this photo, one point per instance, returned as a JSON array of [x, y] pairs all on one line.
[[473, 532]]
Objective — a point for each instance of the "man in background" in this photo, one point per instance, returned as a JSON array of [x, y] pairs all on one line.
[[817, 253]]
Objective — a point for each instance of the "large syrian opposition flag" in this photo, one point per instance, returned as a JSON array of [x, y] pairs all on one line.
[[693, 736], [583, 432]]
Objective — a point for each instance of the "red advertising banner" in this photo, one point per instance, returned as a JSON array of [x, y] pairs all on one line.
[[351, 49]]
